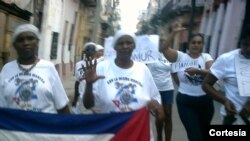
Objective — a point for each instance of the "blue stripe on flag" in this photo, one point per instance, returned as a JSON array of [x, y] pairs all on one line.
[[35, 122]]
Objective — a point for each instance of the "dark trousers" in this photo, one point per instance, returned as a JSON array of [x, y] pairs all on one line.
[[195, 114], [230, 119]]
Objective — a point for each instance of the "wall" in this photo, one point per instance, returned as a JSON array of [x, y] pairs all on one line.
[[58, 18]]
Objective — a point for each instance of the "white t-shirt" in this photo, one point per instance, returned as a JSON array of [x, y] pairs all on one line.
[[123, 90], [80, 77], [224, 69], [39, 90], [190, 85], [161, 72]]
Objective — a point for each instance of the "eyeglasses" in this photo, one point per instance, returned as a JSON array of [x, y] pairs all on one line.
[[89, 50]]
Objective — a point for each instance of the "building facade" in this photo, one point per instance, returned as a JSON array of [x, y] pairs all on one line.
[[220, 21], [11, 15], [65, 26]]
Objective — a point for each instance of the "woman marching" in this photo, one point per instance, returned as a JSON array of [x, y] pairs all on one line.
[[195, 107]]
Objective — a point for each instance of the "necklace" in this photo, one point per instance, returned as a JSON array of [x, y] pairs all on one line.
[[26, 70]]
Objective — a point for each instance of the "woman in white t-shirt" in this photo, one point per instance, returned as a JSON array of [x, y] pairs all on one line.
[[195, 107], [121, 84], [161, 72], [30, 83], [89, 50], [224, 68]]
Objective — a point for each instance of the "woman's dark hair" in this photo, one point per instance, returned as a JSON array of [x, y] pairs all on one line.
[[245, 32], [197, 34]]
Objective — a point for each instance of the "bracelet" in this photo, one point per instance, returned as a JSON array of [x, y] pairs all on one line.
[[199, 70]]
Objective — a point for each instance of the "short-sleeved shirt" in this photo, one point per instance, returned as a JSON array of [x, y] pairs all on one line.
[[224, 69], [39, 90], [161, 72], [124, 89], [190, 85]]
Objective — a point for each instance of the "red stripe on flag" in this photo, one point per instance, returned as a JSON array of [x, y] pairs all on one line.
[[136, 129]]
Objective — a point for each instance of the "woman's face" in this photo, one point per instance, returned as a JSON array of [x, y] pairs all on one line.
[[26, 45], [124, 46], [245, 47], [196, 45], [99, 53], [162, 42]]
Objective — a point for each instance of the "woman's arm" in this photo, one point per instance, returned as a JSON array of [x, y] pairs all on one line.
[[64, 110], [88, 98], [156, 109], [207, 86], [90, 77], [175, 78], [202, 72], [169, 53]]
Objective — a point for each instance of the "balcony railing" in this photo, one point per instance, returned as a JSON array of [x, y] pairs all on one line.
[[187, 3], [89, 3]]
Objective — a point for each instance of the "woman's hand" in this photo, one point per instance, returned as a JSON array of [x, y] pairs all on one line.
[[191, 71], [90, 71], [156, 109], [177, 27], [246, 110], [229, 107]]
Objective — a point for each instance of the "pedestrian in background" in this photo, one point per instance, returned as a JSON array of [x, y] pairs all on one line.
[[99, 51], [161, 72], [121, 84], [89, 50], [30, 83], [194, 106], [225, 69]]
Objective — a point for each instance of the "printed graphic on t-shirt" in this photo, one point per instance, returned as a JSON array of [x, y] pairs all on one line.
[[124, 96], [81, 74], [125, 92], [195, 79], [180, 66], [26, 90]]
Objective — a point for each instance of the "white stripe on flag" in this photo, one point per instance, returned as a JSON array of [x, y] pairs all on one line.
[[25, 136]]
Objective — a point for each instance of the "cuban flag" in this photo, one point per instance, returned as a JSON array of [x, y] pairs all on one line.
[[18, 125]]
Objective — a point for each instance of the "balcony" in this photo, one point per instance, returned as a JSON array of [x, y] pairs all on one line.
[[89, 3], [15, 10], [177, 7], [187, 3]]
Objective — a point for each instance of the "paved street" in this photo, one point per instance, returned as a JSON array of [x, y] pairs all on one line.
[[179, 133]]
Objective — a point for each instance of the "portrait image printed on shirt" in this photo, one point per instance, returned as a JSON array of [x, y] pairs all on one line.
[[125, 92], [25, 85]]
